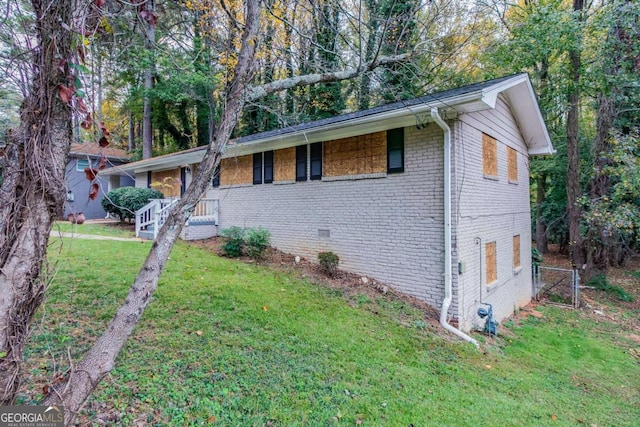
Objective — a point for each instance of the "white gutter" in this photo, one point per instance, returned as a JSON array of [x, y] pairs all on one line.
[[446, 303]]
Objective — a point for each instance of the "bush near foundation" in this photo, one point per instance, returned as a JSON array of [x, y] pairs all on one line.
[[238, 241], [329, 263]]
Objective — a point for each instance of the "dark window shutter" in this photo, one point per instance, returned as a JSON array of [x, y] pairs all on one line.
[[257, 168], [316, 160], [268, 167], [301, 163], [183, 180], [215, 182], [395, 150]]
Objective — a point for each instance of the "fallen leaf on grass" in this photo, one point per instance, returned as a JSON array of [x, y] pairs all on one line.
[[265, 308], [198, 333]]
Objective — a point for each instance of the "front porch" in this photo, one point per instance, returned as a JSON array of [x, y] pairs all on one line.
[[203, 224]]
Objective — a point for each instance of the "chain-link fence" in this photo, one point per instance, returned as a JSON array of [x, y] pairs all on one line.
[[558, 285]]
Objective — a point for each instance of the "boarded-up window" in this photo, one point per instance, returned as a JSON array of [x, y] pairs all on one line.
[[516, 251], [491, 266], [167, 182], [236, 170], [489, 155], [358, 155], [512, 164], [285, 164]]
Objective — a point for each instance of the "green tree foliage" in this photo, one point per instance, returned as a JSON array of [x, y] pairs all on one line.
[[614, 218], [542, 37]]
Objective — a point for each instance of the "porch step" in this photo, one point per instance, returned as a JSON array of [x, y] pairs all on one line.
[[146, 234]]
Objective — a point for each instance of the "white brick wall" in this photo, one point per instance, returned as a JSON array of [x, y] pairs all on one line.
[[490, 210], [389, 227]]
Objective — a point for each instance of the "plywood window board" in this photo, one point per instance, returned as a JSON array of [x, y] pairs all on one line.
[[284, 164], [489, 155], [512, 164], [516, 251], [236, 170], [167, 182], [358, 155], [491, 264]]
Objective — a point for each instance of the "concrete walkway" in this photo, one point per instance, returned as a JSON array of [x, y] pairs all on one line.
[[56, 233]]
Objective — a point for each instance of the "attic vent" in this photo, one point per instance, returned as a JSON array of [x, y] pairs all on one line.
[[324, 233]]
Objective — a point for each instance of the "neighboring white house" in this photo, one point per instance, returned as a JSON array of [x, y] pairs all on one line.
[[429, 195]]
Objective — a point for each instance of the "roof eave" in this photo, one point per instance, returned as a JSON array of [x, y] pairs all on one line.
[[518, 88], [524, 104]]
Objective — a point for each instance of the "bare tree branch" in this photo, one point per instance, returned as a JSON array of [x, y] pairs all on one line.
[[257, 92]]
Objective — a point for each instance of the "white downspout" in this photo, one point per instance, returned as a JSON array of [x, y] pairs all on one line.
[[447, 230]]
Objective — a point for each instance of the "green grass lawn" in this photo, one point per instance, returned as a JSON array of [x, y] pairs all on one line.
[[234, 344], [89, 228]]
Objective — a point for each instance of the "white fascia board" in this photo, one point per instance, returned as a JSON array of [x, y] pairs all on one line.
[[159, 163], [523, 102], [490, 95]]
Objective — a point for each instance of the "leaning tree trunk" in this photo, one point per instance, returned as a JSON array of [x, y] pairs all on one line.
[[33, 190], [100, 359]]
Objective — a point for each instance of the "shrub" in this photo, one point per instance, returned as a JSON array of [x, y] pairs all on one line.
[[256, 241], [237, 241], [233, 241], [123, 202], [601, 283], [329, 263]]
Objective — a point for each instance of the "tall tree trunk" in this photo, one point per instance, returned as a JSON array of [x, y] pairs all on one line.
[[596, 240], [99, 101], [147, 129], [542, 243], [33, 190], [373, 28], [132, 132], [573, 150]]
